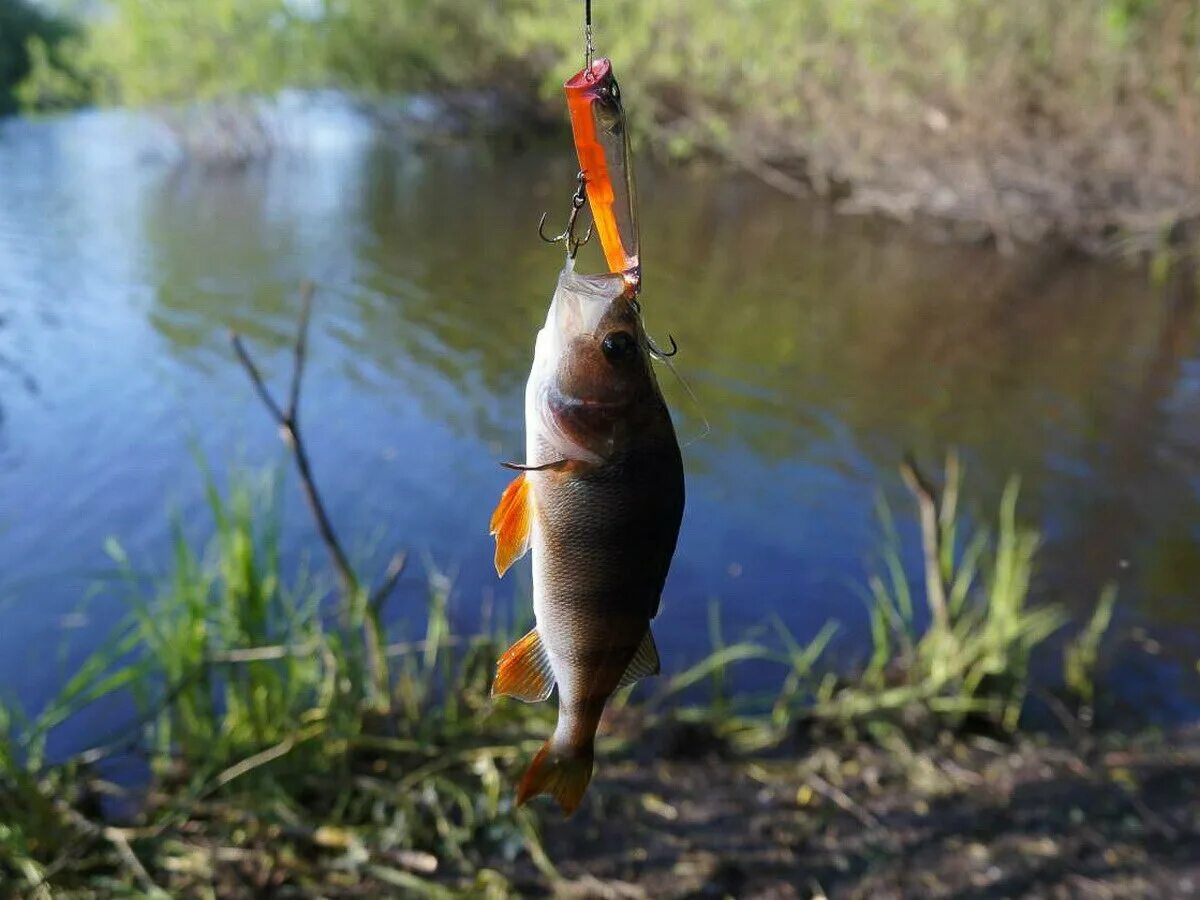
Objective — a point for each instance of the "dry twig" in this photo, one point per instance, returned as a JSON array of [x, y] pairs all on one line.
[[931, 538], [288, 420], [841, 799]]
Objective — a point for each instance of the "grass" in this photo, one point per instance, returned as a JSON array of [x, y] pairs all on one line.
[[950, 652], [272, 765], [254, 717], [1081, 658], [972, 656]]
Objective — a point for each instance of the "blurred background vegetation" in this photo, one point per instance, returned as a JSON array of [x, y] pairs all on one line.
[[1009, 119], [29, 34], [754, 56]]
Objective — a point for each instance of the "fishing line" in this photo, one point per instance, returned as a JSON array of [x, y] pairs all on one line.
[[589, 49], [697, 406]]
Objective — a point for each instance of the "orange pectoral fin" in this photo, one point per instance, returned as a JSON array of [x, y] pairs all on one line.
[[512, 523]]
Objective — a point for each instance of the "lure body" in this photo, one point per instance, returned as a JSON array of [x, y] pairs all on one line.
[[605, 159]]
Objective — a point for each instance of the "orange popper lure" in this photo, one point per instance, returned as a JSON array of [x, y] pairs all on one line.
[[605, 162]]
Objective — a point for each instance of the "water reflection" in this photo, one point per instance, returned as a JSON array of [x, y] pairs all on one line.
[[818, 348]]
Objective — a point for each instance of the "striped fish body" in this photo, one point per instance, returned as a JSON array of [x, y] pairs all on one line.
[[603, 540], [600, 505]]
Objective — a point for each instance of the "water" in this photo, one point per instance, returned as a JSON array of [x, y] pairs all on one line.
[[819, 348]]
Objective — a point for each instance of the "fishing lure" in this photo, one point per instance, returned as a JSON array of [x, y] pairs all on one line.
[[601, 135], [606, 184]]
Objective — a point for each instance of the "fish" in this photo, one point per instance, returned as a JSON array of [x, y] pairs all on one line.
[[601, 136], [599, 501]]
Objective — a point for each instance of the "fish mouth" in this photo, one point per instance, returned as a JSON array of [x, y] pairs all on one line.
[[565, 403]]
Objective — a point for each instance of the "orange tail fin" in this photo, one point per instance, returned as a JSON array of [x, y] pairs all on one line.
[[563, 777]]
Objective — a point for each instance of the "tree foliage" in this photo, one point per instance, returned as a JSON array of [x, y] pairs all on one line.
[[761, 55], [162, 51], [28, 35], [149, 51]]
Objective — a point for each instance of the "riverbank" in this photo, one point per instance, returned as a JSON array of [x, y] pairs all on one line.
[[279, 747], [1105, 816], [1015, 123], [677, 814]]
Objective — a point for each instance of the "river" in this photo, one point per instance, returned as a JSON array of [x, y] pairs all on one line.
[[819, 349]]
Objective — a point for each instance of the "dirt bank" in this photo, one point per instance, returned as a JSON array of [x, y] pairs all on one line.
[[1111, 817]]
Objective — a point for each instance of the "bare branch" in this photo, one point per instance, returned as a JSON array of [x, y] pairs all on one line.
[[394, 570], [404, 648], [948, 510], [927, 501], [288, 421], [261, 654], [257, 379], [841, 799], [295, 440], [312, 496], [117, 838], [250, 763], [301, 351]]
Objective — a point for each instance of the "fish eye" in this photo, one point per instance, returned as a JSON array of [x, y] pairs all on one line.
[[618, 345]]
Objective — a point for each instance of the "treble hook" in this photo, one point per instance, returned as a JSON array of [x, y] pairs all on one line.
[[567, 238], [658, 351]]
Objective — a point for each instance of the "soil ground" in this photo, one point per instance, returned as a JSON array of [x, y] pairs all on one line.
[[1094, 818]]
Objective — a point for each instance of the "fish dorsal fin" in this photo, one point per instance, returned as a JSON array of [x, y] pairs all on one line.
[[512, 523], [524, 671], [644, 662]]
